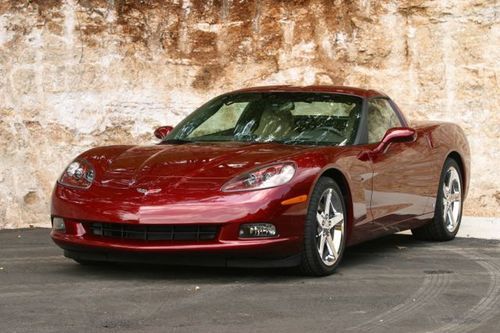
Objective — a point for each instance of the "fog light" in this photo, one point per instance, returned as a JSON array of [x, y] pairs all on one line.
[[252, 230], [58, 224]]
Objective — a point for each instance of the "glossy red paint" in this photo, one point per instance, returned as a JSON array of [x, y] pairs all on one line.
[[163, 131], [390, 186], [397, 134], [364, 93]]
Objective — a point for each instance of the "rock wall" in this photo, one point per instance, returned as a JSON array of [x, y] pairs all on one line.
[[77, 74]]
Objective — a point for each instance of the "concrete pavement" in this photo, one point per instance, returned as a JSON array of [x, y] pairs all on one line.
[[480, 227], [476, 227], [395, 284]]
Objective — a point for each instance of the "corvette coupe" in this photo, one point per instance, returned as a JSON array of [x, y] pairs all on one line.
[[276, 176]]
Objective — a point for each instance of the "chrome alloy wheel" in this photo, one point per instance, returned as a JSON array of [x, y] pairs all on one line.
[[330, 228], [452, 199]]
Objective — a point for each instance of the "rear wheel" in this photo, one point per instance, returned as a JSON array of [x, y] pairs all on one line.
[[448, 211], [324, 234]]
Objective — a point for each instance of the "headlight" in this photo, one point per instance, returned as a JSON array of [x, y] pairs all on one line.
[[79, 173], [264, 177]]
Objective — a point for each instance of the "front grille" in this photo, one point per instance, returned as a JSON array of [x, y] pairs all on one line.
[[154, 232]]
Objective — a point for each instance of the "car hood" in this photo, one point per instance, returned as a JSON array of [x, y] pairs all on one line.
[[193, 164]]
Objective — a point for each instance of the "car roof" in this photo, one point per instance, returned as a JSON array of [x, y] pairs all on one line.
[[365, 93]]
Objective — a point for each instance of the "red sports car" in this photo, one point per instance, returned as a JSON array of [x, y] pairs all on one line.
[[267, 176]]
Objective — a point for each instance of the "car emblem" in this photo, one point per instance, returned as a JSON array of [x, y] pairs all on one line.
[[145, 191]]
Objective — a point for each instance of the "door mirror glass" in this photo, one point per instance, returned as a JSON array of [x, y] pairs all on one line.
[[163, 131]]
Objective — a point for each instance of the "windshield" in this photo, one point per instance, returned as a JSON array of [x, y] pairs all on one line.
[[293, 118]]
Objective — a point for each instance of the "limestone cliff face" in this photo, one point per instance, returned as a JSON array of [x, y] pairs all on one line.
[[78, 74]]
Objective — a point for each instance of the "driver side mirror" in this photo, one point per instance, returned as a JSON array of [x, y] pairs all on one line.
[[163, 131], [396, 134]]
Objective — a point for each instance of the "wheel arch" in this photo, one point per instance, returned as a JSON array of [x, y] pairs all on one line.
[[454, 155], [342, 182]]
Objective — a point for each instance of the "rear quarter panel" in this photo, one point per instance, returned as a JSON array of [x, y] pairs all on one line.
[[446, 139]]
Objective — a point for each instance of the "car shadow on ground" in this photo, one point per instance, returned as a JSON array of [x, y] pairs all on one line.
[[355, 256]]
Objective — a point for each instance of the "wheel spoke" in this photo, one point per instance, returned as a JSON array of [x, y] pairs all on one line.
[[451, 178], [339, 217], [331, 247], [454, 197], [450, 216], [445, 209], [337, 233], [446, 191], [319, 219], [328, 202], [322, 244]]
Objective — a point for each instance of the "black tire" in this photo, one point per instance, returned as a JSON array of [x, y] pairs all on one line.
[[436, 230], [311, 263]]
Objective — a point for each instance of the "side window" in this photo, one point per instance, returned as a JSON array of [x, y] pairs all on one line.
[[381, 117]]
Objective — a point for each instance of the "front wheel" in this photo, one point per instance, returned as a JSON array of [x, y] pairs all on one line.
[[448, 211], [325, 228]]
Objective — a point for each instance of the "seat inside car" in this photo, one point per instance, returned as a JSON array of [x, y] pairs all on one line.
[[275, 123], [351, 123]]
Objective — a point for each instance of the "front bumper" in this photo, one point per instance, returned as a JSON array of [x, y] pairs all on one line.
[[79, 244], [227, 211], [266, 247]]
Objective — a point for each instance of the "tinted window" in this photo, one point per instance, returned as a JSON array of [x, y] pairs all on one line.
[[381, 117]]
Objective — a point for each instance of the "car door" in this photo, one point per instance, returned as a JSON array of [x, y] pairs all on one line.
[[399, 191]]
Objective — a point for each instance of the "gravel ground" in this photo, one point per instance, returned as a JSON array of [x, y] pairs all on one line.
[[395, 284]]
